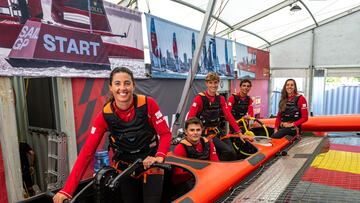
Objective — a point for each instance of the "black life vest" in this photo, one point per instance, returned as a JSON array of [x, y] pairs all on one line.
[[211, 113], [193, 153], [134, 139], [240, 107], [292, 111]]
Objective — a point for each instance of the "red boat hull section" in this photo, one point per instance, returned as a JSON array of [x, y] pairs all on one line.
[[12, 30], [115, 50], [336, 123], [78, 12]]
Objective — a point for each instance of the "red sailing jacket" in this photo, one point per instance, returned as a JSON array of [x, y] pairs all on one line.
[[180, 175], [197, 107], [231, 102]]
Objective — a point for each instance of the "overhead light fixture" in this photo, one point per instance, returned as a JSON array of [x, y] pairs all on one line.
[[295, 8]]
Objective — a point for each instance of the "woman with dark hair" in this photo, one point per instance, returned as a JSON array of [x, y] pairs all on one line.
[[134, 122], [293, 111]]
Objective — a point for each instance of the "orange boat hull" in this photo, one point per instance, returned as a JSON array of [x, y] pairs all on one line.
[[338, 123], [213, 179]]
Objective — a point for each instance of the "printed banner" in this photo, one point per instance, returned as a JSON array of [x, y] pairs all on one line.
[[50, 43], [252, 63], [172, 47], [82, 31]]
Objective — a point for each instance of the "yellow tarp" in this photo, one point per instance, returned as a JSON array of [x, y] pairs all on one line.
[[338, 161]]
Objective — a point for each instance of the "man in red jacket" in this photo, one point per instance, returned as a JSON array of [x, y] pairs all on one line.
[[240, 104], [192, 146]]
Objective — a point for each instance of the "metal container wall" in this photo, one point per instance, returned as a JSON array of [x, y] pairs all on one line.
[[342, 100], [275, 99]]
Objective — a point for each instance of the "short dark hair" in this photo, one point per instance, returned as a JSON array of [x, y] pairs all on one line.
[[245, 81], [193, 120]]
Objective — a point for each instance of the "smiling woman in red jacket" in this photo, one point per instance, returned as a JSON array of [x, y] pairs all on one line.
[[293, 111], [134, 122]]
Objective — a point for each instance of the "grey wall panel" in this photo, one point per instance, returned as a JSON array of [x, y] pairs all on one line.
[[338, 42], [293, 53]]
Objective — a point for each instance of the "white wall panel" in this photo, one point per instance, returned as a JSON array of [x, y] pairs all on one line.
[[338, 42], [292, 53]]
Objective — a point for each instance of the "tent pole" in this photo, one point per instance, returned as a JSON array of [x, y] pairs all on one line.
[[180, 113]]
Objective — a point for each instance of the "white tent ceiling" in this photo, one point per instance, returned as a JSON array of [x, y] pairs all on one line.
[[254, 23]]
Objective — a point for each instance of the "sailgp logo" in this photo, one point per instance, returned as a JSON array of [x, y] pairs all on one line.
[[158, 115], [27, 33], [41, 41]]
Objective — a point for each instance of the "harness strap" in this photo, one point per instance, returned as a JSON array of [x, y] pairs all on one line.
[[120, 165], [229, 136], [152, 171], [215, 131]]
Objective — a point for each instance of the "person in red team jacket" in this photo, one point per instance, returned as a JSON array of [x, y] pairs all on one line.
[[240, 104], [192, 146], [293, 111], [134, 122], [209, 107]]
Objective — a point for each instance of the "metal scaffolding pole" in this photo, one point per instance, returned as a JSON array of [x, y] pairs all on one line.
[[311, 73], [180, 113]]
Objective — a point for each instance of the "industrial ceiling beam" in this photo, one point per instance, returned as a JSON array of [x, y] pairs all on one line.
[[308, 10], [218, 19], [306, 29], [256, 17]]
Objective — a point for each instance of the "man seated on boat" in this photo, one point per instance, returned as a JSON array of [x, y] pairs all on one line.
[[293, 111], [209, 106], [240, 104], [193, 145]]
